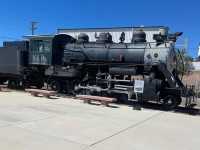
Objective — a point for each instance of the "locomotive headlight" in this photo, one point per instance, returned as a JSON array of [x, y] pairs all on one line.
[[156, 55]]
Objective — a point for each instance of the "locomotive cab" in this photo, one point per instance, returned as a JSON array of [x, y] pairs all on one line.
[[40, 50]]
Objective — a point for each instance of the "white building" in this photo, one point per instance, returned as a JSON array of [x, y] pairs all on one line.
[[199, 51], [115, 32], [196, 64]]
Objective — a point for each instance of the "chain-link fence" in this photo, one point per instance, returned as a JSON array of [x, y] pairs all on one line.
[[193, 79]]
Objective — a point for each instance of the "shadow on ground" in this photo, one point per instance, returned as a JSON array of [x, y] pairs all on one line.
[[180, 109], [146, 105]]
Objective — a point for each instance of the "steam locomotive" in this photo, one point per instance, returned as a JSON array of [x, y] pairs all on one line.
[[101, 67]]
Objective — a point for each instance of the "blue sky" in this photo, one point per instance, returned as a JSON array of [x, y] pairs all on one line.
[[179, 15]]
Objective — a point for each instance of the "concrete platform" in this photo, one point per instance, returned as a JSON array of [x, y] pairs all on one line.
[[34, 123]]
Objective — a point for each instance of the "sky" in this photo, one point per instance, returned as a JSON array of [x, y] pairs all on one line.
[[178, 15]]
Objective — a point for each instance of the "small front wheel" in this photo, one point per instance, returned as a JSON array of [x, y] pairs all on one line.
[[178, 101], [169, 102]]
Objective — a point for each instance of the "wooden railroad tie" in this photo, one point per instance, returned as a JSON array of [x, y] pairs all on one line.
[[3, 87], [37, 92], [103, 100]]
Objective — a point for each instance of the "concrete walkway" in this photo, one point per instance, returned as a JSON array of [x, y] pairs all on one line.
[[32, 123]]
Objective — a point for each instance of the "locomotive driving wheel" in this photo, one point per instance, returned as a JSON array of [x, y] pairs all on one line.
[[169, 102], [55, 85], [13, 84], [2, 81]]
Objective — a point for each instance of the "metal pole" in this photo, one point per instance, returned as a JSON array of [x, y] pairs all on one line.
[[134, 107], [33, 27]]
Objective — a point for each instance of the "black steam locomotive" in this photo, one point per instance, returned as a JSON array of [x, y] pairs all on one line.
[[102, 67]]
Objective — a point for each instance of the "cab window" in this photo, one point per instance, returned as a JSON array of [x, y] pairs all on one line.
[[41, 46]]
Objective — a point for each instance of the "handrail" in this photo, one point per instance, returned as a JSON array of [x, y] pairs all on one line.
[[109, 45]]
